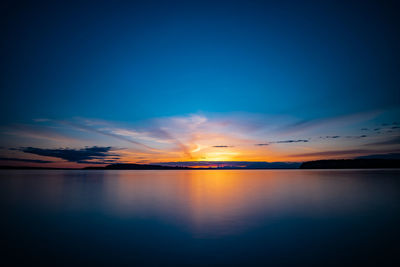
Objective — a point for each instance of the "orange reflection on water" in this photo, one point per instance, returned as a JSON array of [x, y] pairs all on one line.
[[206, 201]]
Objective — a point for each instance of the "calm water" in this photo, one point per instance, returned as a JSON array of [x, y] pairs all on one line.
[[249, 217]]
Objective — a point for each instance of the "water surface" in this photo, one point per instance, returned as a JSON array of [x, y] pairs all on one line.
[[201, 217]]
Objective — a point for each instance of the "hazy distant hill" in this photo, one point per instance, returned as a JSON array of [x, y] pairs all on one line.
[[351, 164], [249, 165], [318, 164], [121, 166], [233, 164]]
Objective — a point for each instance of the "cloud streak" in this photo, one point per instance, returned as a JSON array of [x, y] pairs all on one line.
[[290, 141], [283, 142], [389, 142], [337, 121], [338, 153], [102, 132]]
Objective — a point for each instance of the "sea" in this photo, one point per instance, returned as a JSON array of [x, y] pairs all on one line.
[[200, 217]]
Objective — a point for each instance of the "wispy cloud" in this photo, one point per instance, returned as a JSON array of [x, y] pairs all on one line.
[[106, 133], [36, 132], [283, 142], [338, 153], [388, 142], [337, 121]]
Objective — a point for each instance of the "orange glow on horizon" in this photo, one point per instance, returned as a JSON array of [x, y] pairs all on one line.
[[192, 138]]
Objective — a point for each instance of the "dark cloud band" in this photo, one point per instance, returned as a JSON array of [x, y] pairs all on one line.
[[83, 155]]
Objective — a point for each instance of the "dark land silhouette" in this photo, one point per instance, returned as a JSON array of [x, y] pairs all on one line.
[[351, 164], [364, 163], [132, 166]]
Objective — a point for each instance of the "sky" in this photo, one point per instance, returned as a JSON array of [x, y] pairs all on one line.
[[98, 82]]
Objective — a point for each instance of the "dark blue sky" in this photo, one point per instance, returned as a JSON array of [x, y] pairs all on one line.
[[134, 60], [195, 77]]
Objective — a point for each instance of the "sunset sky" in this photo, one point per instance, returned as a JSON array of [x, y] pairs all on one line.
[[186, 81]]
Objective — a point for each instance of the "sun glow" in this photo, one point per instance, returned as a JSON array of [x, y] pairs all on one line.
[[220, 156]]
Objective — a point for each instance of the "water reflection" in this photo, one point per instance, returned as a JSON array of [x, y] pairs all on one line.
[[219, 202], [252, 217]]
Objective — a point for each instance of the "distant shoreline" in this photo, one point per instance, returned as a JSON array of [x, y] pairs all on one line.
[[317, 164], [352, 164]]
